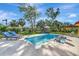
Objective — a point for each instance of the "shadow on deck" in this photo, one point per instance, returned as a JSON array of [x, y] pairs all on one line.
[[22, 49]]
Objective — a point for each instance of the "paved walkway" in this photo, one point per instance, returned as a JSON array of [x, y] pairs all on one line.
[[21, 48]]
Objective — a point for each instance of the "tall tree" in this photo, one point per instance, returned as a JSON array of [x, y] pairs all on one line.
[[57, 26], [13, 23], [21, 23], [52, 13], [30, 14], [40, 25]]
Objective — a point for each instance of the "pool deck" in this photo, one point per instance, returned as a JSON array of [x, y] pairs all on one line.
[[51, 48]]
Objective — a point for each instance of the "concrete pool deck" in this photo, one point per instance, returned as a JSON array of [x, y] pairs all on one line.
[[52, 48]]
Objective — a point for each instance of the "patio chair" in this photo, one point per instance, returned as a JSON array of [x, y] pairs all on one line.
[[61, 39], [15, 34], [8, 35]]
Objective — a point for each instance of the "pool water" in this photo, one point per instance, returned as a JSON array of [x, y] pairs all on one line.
[[37, 40]]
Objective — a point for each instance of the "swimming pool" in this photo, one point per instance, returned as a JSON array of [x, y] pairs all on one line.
[[37, 40]]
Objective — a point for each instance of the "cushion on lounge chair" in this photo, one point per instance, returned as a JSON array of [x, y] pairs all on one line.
[[9, 35], [6, 34], [13, 33], [61, 39]]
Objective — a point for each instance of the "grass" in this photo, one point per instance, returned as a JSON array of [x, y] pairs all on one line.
[[67, 33], [59, 33]]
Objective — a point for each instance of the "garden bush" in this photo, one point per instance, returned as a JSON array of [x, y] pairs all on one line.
[[1, 36], [25, 32], [3, 28], [16, 29]]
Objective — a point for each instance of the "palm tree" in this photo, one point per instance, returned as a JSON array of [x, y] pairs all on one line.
[[40, 25], [13, 23], [30, 14], [21, 23]]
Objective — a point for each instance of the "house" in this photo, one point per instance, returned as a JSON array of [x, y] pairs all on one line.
[[75, 26]]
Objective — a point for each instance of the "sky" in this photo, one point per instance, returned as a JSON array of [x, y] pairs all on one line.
[[69, 12]]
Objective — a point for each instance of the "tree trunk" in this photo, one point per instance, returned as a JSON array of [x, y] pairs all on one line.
[[32, 26]]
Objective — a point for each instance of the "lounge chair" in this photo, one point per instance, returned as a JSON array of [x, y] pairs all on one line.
[[9, 35], [15, 34], [61, 39]]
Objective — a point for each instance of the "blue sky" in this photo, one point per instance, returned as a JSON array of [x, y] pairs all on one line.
[[68, 12]]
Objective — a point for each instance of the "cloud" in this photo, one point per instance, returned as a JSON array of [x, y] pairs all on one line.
[[32, 4], [41, 10], [72, 16], [7, 15], [70, 6], [14, 4]]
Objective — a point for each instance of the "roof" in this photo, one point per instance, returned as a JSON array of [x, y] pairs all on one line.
[[77, 22], [70, 26], [75, 25]]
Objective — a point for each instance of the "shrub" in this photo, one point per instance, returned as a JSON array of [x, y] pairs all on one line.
[[25, 32], [16, 29], [1, 36], [3, 28]]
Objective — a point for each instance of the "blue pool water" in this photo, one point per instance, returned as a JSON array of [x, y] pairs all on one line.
[[37, 40]]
